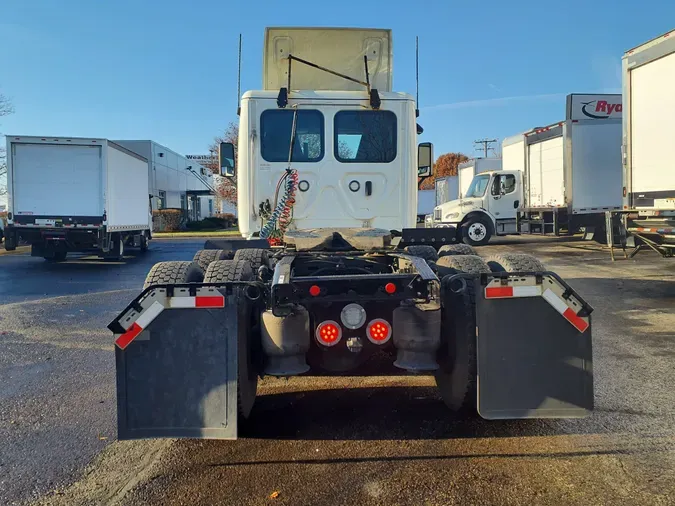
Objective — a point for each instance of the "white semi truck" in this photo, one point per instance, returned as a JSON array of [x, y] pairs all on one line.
[[334, 271], [562, 177], [648, 211], [76, 195]]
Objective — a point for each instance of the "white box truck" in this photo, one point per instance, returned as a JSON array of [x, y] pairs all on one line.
[[467, 170], [648, 175], [76, 195], [562, 177]]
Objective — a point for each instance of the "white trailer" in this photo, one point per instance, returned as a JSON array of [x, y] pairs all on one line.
[[426, 200], [572, 168], [467, 170], [648, 175], [447, 188], [76, 194]]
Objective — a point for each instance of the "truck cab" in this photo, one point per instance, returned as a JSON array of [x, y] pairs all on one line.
[[357, 166], [489, 207]]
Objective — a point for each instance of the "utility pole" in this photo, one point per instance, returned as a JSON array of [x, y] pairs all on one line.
[[485, 145]]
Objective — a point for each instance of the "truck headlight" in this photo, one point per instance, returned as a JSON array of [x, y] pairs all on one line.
[[451, 216]]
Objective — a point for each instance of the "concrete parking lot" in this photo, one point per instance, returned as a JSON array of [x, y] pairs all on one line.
[[347, 440]]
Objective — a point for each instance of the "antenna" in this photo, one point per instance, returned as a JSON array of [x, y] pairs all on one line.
[[417, 76], [239, 80]]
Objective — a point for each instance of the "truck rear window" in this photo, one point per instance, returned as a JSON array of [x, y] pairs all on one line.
[[276, 126], [365, 136]]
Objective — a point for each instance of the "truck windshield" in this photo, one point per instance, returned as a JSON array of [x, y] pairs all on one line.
[[276, 126], [478, 186], [365, 136]]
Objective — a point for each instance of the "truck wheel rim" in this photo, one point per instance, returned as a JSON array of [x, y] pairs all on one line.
[[477, 231]]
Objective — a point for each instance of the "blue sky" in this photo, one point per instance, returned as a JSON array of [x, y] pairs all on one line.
[[166, 70]]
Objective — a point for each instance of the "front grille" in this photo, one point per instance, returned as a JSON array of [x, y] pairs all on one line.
[[438, 214]]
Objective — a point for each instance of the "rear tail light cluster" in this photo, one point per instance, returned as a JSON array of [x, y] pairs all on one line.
[[328, 333], [379, 331], [353, 316]]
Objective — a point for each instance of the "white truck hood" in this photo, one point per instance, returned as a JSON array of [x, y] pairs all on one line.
[[455, 210]]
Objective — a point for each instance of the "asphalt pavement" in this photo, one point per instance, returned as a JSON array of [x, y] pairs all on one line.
[[57, 389], [334, 440]]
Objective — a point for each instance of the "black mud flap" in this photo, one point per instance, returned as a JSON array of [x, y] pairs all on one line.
[[534, 348], [176, 361]]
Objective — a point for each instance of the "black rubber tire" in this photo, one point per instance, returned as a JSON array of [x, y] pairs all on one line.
[[59, 256], [256, 257], [204, 257], [144, 243], [472, 264], [223, 271], [116, 253], [456, 249], [514, 262], [166, 273], [464, 230], [456, 378], [429, 253], [10, 242]]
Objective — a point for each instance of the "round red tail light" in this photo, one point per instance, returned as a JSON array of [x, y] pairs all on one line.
[[328, 333], [378, 331], [390, 288]]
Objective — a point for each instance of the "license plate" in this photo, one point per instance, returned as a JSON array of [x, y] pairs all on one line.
[[45, 222]]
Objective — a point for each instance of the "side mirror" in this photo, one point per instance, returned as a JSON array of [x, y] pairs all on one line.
[[226, 159], [425, 159]]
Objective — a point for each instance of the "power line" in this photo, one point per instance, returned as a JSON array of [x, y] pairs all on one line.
[[484, 145]]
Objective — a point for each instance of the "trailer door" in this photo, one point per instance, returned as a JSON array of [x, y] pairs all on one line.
[[546, 173], [57, 180], [652, 105]]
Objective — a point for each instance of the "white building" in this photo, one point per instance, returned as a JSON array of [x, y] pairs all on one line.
[[174, 181]]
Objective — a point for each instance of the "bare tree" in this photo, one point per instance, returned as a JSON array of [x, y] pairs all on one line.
[[5, 110]]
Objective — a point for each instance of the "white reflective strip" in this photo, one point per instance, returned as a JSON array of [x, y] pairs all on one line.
[[555, 301], [182, 302], [526, 291], [149, 314]]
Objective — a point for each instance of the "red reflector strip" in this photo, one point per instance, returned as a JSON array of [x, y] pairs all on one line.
[[205, 301], [125, 339], [575, 320], [211, 301], [141, 323], [499, 291]]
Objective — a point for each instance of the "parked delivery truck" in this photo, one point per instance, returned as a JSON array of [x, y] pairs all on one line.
[[562, 177], [335, 272], [76, 195], [648, 167]]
